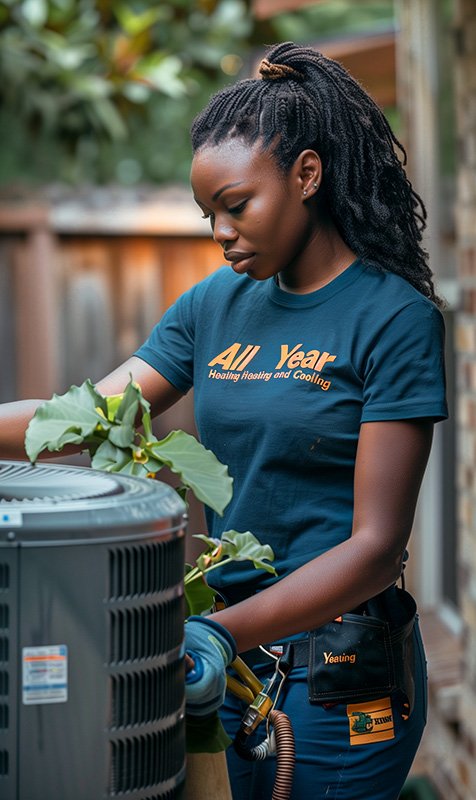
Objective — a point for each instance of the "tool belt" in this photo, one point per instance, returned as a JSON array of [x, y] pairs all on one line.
[[359, 656]]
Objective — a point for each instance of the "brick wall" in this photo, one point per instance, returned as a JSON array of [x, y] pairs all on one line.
[[448, 751], [465, 66]]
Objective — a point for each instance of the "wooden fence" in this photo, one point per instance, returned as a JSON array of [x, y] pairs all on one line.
[[81, 286]]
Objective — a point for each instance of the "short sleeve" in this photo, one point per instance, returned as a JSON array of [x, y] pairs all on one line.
[[404, 374], [170, 347]]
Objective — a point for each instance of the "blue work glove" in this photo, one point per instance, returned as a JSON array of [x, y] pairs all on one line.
[[212, 648]]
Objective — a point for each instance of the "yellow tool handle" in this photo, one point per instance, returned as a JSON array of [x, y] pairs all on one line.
[[239, 689], [247, 675]]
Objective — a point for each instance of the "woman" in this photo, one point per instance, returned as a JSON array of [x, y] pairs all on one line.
[[317, 362]]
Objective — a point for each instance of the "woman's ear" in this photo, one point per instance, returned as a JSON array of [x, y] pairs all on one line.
[[309, 171]]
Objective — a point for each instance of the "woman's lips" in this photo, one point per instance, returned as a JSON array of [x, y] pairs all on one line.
[[240, 262]]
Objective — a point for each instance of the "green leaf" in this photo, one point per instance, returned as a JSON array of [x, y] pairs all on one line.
[[147, 425], [199, 468], [241, 547], [110, 458], [246, 547], [132, 401], [199, 597], [133, 468], [113, 401], [122, 435], [153, 466], [206, 734], [123, 410], [127, 409], [66, 419]]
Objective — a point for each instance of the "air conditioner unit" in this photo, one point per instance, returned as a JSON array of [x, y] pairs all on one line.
[[91, 633]]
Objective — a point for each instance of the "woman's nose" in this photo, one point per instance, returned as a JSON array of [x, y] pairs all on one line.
[[223, 232]]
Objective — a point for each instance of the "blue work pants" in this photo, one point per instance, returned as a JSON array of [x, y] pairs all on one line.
[[331, 763]]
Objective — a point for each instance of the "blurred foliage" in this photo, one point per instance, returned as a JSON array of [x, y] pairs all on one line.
[[99, 90], [105, 90], [333, 19]]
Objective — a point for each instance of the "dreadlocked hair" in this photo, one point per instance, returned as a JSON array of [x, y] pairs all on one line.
[[305, 100]]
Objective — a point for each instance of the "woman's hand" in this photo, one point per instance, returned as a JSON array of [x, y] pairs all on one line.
[[210, 648]]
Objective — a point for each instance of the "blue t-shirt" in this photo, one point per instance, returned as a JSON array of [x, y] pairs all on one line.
[[282, 383]]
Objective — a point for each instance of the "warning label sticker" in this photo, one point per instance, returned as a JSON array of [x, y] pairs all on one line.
[[45, 674]]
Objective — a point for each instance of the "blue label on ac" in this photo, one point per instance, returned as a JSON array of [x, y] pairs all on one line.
[[10, 519]]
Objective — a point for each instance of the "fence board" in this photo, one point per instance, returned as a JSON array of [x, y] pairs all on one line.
[[7, 322], [87, 311], [36, 314], [186, 262], [139, 292]]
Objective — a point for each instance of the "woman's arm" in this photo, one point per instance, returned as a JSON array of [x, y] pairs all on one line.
[[155, 388], [391, 460], [14, 417]]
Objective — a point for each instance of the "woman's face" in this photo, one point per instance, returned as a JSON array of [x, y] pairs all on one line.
[[258, 214]]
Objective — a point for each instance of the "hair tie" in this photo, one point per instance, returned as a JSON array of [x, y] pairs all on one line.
[[274, 72]]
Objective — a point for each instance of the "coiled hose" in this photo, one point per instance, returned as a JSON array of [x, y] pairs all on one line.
[[281, 740]]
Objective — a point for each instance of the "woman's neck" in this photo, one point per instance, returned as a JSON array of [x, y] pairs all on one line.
[[325, 256]]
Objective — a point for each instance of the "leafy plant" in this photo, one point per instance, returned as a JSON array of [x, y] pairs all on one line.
[[107, 427]]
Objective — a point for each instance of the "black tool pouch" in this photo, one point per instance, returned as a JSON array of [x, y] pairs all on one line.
[[362, 657]]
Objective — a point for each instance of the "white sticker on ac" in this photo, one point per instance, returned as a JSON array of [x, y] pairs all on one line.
[[45, 674]]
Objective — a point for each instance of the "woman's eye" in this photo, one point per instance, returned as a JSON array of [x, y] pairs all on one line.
[[238, 209]]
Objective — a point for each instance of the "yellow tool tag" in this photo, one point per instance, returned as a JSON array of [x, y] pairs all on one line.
[[371, 722]]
